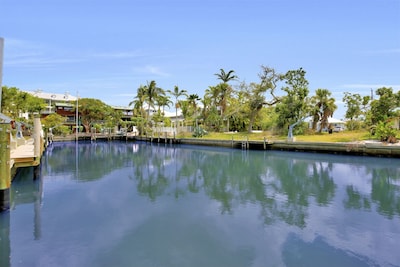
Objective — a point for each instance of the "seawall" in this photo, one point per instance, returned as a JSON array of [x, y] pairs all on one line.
[[363, 148]]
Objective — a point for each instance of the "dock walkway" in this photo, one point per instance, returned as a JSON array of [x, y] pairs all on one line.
[[16, 153], [24, 155]]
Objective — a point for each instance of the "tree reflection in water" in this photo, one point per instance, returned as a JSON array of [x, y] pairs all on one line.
[[281, 186], [143, 196]]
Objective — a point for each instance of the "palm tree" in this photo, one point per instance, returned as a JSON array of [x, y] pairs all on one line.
[[226, 77], [224, 89], [138, 104], [324, 107], [162, 102], [152, 92], [192, 99], [177, 93]]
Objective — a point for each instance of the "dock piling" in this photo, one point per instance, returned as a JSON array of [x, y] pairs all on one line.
[[37, 129], [5, 173]]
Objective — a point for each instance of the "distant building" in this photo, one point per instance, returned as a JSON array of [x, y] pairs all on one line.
[[53, 99], [332, 122], [62, 104], [127, 112]]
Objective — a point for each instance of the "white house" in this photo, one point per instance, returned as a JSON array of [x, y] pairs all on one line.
[[334, 123]]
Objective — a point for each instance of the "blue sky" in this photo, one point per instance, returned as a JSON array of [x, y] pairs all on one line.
[[107, 49]]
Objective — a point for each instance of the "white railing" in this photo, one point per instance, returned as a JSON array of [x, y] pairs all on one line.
[[170, 131]]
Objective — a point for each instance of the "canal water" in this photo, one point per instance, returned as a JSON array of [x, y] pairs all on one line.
[[138, 204]]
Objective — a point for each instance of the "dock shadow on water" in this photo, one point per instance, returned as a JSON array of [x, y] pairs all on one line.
[[138, 204]]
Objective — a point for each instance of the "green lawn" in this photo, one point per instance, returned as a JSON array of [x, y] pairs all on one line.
[[345, 136]]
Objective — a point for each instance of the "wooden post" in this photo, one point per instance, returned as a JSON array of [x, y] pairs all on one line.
[[37, 136], [265, 145], [5, 172]]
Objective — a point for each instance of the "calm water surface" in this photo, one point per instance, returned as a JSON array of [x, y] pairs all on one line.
[[136, 204]]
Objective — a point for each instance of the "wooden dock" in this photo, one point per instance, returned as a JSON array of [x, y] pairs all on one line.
[[24, 155], [16, 153]]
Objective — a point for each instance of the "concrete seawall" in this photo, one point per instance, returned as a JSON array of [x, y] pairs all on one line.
[[352, 148], [365, 148], [377, 149]]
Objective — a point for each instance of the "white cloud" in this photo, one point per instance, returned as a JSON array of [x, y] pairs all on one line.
[[149, 69], [27, 54]]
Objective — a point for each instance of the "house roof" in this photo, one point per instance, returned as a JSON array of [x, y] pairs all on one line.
[[52, 96]]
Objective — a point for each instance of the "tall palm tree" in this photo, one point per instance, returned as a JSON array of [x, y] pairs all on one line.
[[192, 101], [177, 93], [324, 107], [138, 104], [225, 90], [139, 99], [152, 92]]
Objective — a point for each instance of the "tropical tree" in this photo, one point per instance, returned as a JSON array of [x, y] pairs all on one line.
[[323, 107], [162, 102], [192, 106], [269, 79], [139, 100], [235, 114], [356, 108], [226, 77], [255, 100], [55, 124], [255, 93], [192, 99], [224, 90], [384, 107], [184, 106], [353, 105], [14, 102], [293, 107], [206, 111], [212, 94], [151, 92], [176, 93], [139, 113], [93, 111]]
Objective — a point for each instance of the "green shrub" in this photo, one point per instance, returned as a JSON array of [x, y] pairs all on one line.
[[386, 132], [199, 132]]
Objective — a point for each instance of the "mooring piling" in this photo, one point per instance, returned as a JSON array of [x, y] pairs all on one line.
[[5, 173]]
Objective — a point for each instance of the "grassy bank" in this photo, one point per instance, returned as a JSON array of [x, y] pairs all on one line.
[[345, 136]]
